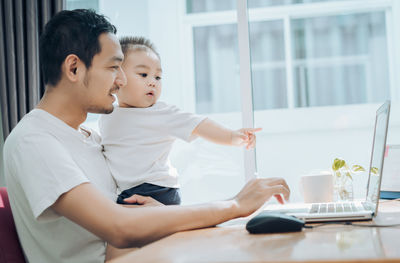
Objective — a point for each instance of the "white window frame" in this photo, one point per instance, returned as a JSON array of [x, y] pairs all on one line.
[[242, 16], [250, 163]]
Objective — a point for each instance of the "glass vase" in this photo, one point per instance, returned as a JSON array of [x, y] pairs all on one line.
[[343, 186]]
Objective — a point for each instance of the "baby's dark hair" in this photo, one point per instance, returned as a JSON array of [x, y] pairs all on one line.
[[136, 43]]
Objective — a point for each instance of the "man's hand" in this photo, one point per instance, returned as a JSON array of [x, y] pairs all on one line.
[[142, 201], [257, 191], [245, 137]]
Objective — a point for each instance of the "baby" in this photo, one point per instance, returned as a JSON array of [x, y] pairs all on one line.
[[138, 135]]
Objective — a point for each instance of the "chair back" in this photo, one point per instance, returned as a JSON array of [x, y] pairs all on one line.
[[10, 248]]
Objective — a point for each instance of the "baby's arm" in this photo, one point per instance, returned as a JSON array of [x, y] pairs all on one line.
[[212, 131]]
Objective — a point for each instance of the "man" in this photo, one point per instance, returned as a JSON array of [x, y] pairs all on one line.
[[60, 189]]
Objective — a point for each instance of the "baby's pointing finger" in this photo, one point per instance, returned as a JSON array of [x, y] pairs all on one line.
[[253, 130]]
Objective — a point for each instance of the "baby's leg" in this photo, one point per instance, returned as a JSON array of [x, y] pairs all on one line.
[[165, 195]]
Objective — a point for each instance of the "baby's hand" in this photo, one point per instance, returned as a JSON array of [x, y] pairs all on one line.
[[245, 137], [142, 201]]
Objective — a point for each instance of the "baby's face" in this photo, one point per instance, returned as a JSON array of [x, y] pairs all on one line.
[[143, 75]]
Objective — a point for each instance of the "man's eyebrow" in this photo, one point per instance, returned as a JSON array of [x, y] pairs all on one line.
[[117, 58]]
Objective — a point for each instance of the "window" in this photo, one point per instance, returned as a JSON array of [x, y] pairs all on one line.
[[216, 68], [79, 4], [340, 60], [304, 54], [199, 6], [301, 57], [332, 54], [268, 65]]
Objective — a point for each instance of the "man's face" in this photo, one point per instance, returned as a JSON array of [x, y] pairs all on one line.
[[104, 77], [143, 73]]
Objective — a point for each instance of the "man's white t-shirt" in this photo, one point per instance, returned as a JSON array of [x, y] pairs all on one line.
[[44, 158], [137, 143]]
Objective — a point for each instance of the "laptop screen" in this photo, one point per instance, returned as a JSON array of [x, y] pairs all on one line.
[[377, 155]]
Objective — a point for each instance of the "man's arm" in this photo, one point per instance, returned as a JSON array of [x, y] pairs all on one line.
[[125, 227], [214, 132], [137, 201]]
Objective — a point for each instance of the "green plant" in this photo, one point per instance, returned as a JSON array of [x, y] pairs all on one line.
[[343, 178], [340, 168]]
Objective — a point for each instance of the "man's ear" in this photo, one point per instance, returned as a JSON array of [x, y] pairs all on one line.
[[72, 66]]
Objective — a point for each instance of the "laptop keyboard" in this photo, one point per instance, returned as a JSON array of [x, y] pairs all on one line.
[[336, 208]]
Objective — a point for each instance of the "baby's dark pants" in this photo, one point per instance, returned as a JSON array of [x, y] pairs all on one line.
[[165, 195]]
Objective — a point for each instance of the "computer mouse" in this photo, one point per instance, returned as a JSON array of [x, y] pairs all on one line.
[[267, 222]]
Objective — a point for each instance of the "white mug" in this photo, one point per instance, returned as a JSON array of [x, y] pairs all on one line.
[[317, 187]]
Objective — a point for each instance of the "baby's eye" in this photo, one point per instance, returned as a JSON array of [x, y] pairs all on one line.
[[143, 74], [158, 78]]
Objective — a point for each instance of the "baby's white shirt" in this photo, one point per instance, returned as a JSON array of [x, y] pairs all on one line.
[[137, 143]]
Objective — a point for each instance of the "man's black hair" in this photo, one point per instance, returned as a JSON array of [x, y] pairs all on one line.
[[71, 32]]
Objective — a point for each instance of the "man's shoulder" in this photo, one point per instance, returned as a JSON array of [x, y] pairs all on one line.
[[23, 128], [32, 127]]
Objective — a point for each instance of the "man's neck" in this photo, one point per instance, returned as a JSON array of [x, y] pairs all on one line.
[[63, 106]]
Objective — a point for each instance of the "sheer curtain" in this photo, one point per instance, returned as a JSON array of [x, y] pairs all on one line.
[[2, 183]]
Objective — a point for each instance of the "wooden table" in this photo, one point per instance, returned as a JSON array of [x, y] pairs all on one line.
[[332, 243]]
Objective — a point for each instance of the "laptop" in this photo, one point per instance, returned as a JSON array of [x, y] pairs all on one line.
[[349, 211]]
